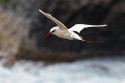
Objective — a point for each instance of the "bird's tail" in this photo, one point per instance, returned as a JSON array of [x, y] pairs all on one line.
[[88, 41], [81, 39]]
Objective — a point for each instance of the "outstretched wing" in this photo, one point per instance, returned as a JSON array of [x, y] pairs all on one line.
[[61, 25], [79, 27]]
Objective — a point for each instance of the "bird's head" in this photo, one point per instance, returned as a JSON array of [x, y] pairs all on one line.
[[52, 31]]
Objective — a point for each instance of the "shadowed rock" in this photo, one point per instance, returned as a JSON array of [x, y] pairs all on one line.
[[31, 43]]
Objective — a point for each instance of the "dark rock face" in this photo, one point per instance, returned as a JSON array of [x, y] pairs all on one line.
[[70, 12]]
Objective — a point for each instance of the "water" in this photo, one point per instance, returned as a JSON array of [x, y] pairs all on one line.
[[106, 70]]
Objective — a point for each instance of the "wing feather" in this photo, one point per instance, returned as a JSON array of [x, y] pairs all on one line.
[[79, 27], [61, 25]]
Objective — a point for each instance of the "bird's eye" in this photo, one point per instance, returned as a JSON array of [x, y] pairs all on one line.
[[53, 31]]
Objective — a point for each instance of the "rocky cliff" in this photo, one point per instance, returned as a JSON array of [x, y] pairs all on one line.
[[110, 40]]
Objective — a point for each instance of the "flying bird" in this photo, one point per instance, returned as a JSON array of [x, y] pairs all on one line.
[[61, 30]]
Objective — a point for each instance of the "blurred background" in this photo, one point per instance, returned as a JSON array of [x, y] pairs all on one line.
[[27, 56]]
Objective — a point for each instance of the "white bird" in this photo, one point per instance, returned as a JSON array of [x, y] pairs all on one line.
[[62, 31]]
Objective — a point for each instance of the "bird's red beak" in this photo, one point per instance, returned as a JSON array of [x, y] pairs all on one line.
[[48, 34]]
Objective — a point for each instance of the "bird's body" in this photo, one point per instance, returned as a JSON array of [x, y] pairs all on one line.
[[66, 34], [62, 32]]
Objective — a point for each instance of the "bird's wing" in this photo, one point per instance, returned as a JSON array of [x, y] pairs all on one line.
[[79, 27], [61, 25]]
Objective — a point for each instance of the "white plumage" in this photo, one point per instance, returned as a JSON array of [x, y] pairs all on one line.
[[61, 30], [79, 27]]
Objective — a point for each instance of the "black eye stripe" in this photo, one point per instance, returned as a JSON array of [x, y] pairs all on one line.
[[53, 31]]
